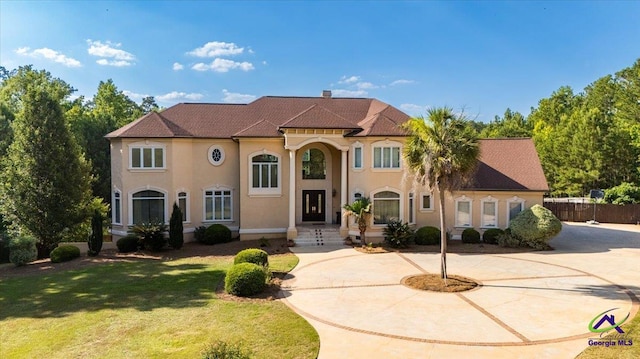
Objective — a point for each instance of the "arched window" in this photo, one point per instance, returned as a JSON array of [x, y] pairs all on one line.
[[386, 207], [314, 165], [148, 206]]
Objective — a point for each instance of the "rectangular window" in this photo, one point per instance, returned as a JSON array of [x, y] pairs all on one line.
[[489, 214], [514, 209], [147, 157], [411, 207], [386, 157], [117, 208], [427, 203], [357, 157], [463, 214], [182, 204], [217, 205]]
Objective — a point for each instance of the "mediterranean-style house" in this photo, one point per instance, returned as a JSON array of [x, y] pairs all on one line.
[[275, 166]]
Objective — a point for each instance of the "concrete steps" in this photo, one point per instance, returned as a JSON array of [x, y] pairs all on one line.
[[318, 236]]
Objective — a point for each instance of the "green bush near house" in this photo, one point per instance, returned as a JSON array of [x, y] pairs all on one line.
[[223, 350], [22, 250], [490, 236], [470, 235], [65, 253], [151, 235], [535, 226], [427, 235], [245, 279], [398, 234], [176, 236], [252, 255], [128, 244], [199, 233], [217, 233]]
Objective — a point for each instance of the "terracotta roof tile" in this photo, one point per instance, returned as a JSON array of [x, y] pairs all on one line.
[[509, 164]]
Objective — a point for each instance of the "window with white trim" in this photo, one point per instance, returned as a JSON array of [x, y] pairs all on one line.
[[489, 217], [264, 171], [386, 207], [148, 206], [426, 202], [412, 216], [514, 207], [116, 216], [218, 205], [357, 156], [463, 212], [146, 157], [215, 154], [386, 157], [183, 198]]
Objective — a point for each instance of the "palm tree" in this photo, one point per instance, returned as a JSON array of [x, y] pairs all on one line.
[[441, 153], [361, 210]]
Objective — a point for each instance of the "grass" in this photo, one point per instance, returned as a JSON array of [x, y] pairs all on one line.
[[144, 309], [631, 332], [434, 283]]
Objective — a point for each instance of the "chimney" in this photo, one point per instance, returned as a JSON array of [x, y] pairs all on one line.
[[326, 93]]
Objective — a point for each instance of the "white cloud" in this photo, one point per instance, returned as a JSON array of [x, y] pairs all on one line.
[[349, 80], [49, 54], [217, 48], [133, 95], [366, 86], [349, 93], [223, 65], [109, 50], [413, 109], [234, 97], [177, 96], [177, 66], [401, 82]]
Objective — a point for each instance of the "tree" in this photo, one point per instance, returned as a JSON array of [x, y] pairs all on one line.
[[95, 238], [441, 153], [46, 184], [149, 104], [176, 236], [512, 124], [360, 209]]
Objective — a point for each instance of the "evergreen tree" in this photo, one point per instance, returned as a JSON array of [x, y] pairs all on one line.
[[176, 237], [46, 183]]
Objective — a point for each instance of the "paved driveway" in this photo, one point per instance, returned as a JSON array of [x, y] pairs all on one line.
[[529, 305]]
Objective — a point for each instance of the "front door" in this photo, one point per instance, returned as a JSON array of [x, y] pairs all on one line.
[[313, 203]]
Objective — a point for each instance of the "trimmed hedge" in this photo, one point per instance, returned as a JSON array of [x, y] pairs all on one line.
[[252, 255], [128, 244], [217, 233], [490, 236], [398, 234], [245, 279], [535, 226], [470, 235], [427, 235], [22, 250], [65, 253]]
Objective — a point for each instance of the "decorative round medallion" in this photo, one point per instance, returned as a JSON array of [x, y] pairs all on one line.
[[216, 155]]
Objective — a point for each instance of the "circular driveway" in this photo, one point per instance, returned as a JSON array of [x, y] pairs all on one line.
[[526, 299]]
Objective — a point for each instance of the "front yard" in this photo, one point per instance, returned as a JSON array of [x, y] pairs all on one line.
[[143, 308]]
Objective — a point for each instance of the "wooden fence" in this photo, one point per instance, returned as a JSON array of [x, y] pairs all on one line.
[[604, 213]]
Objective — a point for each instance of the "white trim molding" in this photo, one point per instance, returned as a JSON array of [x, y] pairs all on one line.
[[262, 230], [269, 191], [147, 145], [147, 188], [400, 203], [357, 145], [514, 199], [382, 145], [457, 223], [422, 208], [487, 224], [220, 154]]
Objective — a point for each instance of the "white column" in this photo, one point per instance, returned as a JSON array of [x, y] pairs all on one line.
[[292, 232], [344, 230]]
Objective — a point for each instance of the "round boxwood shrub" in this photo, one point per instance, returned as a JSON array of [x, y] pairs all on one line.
[[470, 235], [245, 279], [217, 233], [427, 235], [64, 253], [535, 226], [22, 250], [128, 244], [252, 255], [490, 236]]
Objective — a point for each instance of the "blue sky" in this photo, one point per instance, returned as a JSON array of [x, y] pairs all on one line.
[[478, 56]]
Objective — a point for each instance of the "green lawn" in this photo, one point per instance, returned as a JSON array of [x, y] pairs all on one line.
[[144, 309], [631, 332]]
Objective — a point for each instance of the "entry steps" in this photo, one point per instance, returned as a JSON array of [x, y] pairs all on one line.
[[318, 236]]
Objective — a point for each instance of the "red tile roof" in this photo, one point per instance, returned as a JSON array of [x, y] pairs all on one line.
[[509, 164], [265, 116]]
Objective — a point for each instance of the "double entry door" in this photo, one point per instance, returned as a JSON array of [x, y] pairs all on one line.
[[313, 204]]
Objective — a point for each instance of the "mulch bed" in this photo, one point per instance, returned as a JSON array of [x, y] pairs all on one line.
[[433, 283], [452, 247]]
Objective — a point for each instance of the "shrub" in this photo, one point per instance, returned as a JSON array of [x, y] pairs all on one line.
[[252, 255], [128, 244], [217, 233], [535, 226], [176, 237], [223, 350], [508, 239], [4, 250], [490, 236], [65, 253], [95, 239], [624, 193], [199, 232], [245, 279], [428, 235], [22, 250], [151, 235], [470, 235], [398, 234]]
